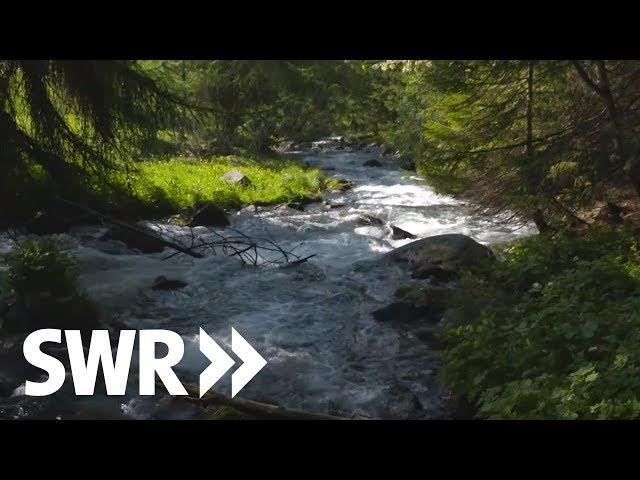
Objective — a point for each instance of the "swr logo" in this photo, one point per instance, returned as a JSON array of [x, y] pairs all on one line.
[[116, 372]]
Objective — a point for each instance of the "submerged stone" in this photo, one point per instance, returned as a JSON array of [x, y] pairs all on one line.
[[163, 283], [372, 163]]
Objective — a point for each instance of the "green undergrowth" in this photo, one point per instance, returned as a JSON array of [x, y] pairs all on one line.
[[40, 289], [181, 182], [550, 331]]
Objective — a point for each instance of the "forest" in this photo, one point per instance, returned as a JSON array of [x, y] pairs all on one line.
[[201, 173]]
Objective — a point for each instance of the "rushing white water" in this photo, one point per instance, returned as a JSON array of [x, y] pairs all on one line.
[[313, 322]]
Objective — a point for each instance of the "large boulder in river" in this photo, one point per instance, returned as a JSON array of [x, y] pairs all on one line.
[[236, 177], [450, 252], [210, 215]]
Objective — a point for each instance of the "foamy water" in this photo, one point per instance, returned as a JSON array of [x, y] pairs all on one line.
[[312, 323]]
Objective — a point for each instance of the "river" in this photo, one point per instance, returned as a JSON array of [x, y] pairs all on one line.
[[312, 323]]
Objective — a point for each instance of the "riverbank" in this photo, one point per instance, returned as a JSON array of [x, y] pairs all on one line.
[[179, 186], [549, 330]]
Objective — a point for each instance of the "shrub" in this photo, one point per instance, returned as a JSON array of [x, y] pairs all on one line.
[[42, 283], [40, 266], [552, 331]]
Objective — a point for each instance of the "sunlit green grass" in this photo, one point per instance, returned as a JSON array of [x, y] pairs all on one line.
[[181, 182]]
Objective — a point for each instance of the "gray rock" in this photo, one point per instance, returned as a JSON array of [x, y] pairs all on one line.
[[399, 234], [451, 252], [249, 209], [433, 272], [236, 177], [289, 209], [163, 283], [372, 163], [209, 214], [296, 206], [344, 185], [143, 240], [367, 220], [400, 312], [421, 305]]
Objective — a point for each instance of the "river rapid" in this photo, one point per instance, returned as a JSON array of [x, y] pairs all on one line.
[[312, 322]]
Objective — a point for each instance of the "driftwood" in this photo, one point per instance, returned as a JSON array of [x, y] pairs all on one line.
[[297, 262], [255, 409]]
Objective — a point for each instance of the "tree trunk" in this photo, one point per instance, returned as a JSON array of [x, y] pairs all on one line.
[[538, 216], [541, 223], [612, 108], [529, 139]]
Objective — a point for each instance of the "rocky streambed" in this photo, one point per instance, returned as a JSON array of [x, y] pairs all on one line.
[[330, 328]]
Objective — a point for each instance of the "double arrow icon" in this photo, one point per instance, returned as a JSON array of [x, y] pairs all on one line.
[[221, 362]]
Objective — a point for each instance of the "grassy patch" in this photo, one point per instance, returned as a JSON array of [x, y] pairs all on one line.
[[181, 182], [551, 331]]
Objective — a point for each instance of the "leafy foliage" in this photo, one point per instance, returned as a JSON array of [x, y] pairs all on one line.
[[544, 139], [42, 280], [254, 104], [68, 122], [551, 331], [40, 266]]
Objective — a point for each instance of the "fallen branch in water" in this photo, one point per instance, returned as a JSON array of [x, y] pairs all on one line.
[[297, 262], [251, 251], [135, 228], [250, 407]]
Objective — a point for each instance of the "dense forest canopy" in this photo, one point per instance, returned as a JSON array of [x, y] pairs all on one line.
[[544, 139]]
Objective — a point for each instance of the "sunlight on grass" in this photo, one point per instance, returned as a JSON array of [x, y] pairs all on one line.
[[185, 181]]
